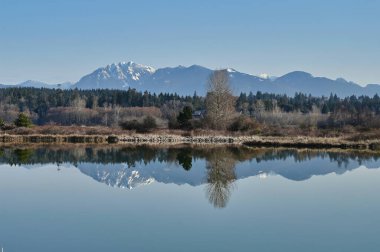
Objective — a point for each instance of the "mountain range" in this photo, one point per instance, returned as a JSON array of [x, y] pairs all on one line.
[[187, 80]]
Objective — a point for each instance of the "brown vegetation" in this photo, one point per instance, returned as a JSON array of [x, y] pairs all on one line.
[[107, 116]]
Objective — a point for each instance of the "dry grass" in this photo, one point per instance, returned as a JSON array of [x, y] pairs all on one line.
[[65, 130], [346, 138]]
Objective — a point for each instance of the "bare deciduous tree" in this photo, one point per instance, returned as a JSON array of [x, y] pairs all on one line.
[[220, 103]]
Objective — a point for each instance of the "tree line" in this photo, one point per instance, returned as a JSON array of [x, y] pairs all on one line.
[[220, 109]]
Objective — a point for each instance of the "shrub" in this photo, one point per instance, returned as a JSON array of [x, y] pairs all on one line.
[[23, 121], [130, 125], [197, 124], [149, 123], [7, 126], [1, 123], [173, 123], [330, 123], [243, 123]]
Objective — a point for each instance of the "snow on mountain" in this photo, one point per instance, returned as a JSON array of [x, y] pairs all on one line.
[[267, 76], [117, 175], [133, 171], [264, 76], [116, 76], [187, 80]]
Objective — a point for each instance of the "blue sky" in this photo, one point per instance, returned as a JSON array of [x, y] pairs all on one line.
[[56, 41]]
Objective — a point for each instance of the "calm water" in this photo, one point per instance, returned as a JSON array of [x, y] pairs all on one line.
[[188, 199]]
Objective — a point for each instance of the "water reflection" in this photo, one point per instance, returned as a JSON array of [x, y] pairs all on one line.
[[185, 158], [220, 167], [217, 167]]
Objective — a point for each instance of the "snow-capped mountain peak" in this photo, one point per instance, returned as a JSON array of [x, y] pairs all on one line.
[[264, 76], [126, 70], [123, 74]]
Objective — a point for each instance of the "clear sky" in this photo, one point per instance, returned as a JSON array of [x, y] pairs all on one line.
[[62, 40]]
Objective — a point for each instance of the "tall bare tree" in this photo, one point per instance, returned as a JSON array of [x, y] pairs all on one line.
[[220, 102]]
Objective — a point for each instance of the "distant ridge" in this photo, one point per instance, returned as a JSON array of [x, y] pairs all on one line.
[[187, 80]]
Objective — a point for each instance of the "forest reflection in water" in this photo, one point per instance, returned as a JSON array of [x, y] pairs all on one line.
[[130, 166]]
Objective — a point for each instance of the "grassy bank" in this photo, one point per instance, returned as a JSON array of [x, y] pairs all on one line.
[[87, 135]]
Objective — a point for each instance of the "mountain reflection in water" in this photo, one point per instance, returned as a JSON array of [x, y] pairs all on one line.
[[218, 167]]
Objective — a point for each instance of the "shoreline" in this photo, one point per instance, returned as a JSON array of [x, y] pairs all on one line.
[[172, 139]]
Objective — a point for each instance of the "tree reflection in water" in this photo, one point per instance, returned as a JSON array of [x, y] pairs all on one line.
[[185, 158], [115, 165], [220, 177]]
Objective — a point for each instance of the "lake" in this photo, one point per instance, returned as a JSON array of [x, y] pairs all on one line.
[[184, 198]]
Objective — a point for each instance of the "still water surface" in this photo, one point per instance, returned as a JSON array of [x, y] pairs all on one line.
[[188, 199]]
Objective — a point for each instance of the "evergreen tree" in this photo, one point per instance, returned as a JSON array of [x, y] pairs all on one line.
[[23, 121], [184, 117], [325, 109]]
